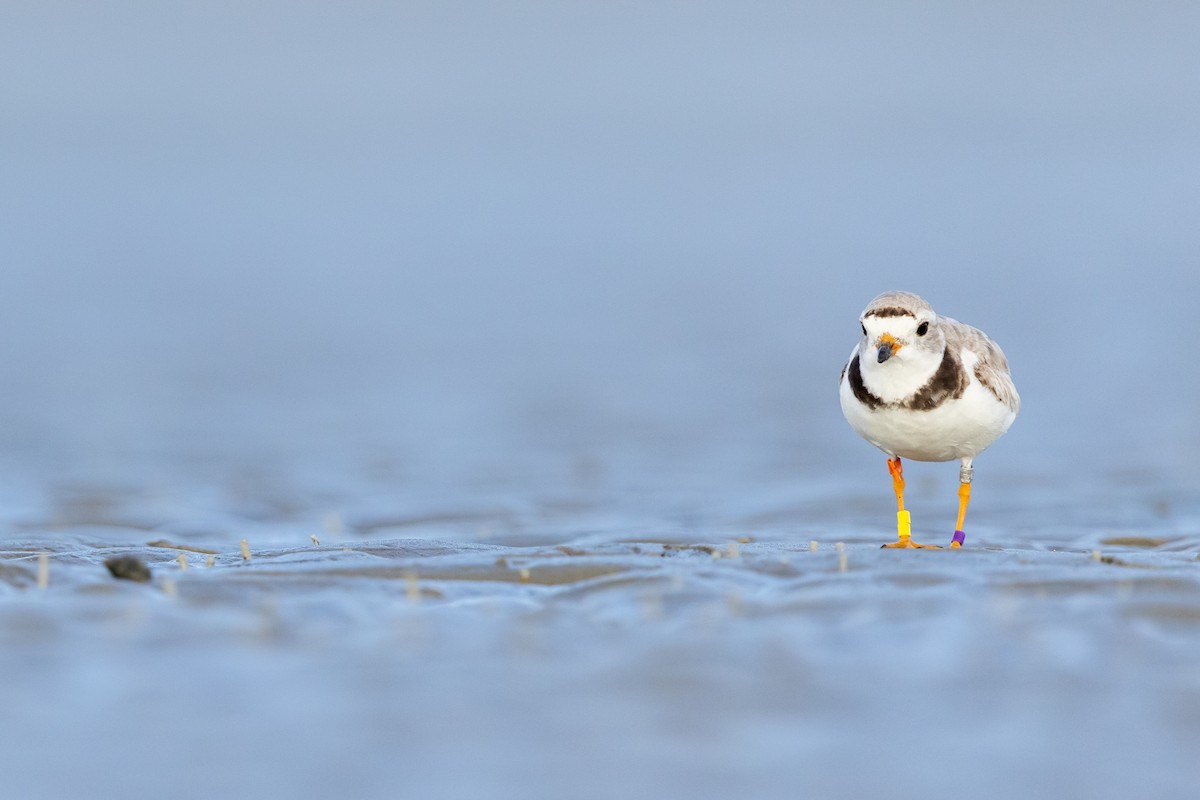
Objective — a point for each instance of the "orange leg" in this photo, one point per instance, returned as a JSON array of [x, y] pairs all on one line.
[[903, 521], [964, 498]]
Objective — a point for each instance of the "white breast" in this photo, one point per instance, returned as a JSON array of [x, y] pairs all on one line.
[[958, 428]]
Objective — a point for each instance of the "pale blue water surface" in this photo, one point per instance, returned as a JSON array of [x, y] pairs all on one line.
[[531, 314]]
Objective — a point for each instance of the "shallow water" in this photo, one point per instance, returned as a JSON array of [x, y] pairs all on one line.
[[572, 645]]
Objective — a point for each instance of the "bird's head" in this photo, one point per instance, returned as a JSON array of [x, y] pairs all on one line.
[[898, 325]]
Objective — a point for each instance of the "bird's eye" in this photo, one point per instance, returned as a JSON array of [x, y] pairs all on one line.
[[864, 327], [923, 329]]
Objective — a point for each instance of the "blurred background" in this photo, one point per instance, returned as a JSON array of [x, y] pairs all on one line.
[[534, 312], [472, 234]]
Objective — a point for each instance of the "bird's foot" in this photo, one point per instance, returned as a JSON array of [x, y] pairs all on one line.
[[907, 543]]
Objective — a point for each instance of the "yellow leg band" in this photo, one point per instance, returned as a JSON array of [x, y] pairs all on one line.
[[903, 524]]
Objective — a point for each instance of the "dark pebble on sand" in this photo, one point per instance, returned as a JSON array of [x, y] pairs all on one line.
[[130, 568]]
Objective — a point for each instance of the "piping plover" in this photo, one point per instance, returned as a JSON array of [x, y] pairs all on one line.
[[929, 388]]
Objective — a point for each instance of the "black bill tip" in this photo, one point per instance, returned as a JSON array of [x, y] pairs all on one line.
[[885, 352]]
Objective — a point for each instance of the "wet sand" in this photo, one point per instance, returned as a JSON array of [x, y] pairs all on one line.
[[481, 654]]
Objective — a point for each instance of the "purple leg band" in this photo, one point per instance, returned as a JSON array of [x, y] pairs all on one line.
[[959, 537]]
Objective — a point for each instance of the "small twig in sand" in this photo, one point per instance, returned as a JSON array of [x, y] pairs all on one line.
[[245, 545], [210, 561], [813, 545], [842, 559], [183, 562], [733, 601], [43, 573], [1117, 562], [412, 587]]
